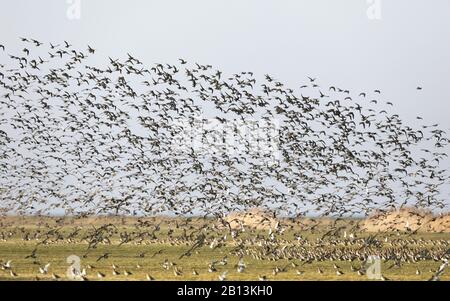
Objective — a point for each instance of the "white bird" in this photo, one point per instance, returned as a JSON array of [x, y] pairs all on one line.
[[241, 266], [44, 270], [213, 244], [7, 265], [277, 225], [443, 266], [224, 261], [272, 237], [407, 227], [223, 276], [100, 275], [211, 268], [127, 273], [176, 272], [166, 265], [149, 277], [440, 270]]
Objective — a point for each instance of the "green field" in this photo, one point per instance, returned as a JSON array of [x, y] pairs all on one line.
[[158, 254]]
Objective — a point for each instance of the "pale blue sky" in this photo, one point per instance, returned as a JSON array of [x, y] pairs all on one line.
[[329, 39]]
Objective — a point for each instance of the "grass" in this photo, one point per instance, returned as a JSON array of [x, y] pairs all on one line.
[[128, 257]]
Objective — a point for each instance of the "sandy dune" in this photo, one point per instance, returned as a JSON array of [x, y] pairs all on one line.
[[407, 219]]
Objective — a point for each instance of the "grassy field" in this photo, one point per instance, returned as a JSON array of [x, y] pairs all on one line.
[[135, 259]]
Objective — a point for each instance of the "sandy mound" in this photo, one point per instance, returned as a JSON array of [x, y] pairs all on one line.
[[255, 219], [439, 224], [407, 219]]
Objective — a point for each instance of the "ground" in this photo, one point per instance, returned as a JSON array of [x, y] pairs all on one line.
[[149, 255]]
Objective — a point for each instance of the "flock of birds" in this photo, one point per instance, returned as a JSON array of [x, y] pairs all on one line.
[[84, 140], [299, 254]]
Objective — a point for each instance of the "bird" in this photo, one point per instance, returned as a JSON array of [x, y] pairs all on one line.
[[36, 42], [223, 276], [100, 275], [212, 268], [119, 131], [104, 256], [177, 272], [241, 266], [7, 265], [127, 273], [436, 275], [44, 270]]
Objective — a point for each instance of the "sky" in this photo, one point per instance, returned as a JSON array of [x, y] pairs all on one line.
[[360, 45]]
